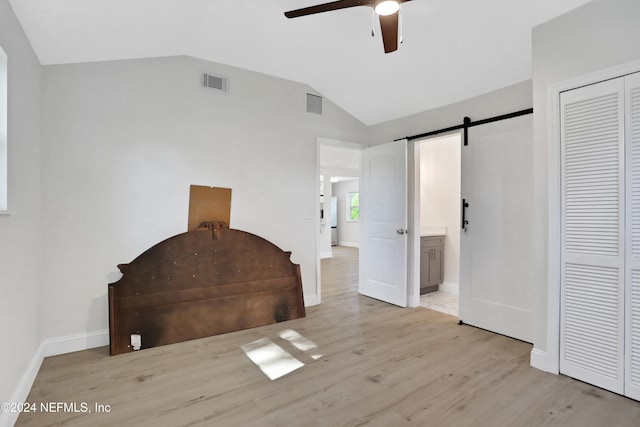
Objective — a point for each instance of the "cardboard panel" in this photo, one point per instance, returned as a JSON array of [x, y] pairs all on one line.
[[208, 204]]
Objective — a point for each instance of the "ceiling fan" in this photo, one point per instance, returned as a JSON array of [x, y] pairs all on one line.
[[387, 10]]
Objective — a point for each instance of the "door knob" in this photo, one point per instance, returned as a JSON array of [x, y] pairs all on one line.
[[401, 231]]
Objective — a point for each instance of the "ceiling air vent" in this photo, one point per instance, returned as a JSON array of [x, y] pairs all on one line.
[[314, 104], [214, 82]]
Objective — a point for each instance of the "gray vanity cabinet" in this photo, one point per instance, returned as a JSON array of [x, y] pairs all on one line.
[[431, 263]]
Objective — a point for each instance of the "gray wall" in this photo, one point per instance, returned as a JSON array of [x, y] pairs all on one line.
[[506, 100], [21, 232], [596, 36], [123, 140]]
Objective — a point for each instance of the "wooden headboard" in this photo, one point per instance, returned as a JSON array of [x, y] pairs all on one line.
[[205, 282]]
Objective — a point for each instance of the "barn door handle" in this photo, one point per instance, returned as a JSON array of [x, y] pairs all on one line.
[[465, 205]]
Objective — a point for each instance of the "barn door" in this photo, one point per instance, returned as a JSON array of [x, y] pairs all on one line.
[[496, 245]]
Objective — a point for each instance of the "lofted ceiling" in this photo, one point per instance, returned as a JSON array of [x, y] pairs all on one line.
[[452, 49]]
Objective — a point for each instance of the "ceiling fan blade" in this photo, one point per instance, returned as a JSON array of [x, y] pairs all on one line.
[[327, 7], [389, 28]]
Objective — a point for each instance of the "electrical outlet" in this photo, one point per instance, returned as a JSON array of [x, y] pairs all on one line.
[[136, 341]]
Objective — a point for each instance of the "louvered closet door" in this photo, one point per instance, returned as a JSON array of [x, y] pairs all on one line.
[[632, 354], [592, 282]]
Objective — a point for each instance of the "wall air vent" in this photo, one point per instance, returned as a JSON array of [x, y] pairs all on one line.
[[214, 82], [314, 104]]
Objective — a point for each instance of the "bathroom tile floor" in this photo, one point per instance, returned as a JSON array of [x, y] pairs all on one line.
[[441, 301]]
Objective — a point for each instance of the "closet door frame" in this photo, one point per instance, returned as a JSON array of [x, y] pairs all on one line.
[[632, 233], [549, 358]]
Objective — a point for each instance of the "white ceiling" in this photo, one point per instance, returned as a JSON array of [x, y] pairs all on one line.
[[452, 50]]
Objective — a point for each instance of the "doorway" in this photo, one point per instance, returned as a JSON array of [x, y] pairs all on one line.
[[339, 169], [438, 193]]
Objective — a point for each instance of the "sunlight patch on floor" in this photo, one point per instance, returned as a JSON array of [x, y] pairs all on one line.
[[274, 361], [300, 342]]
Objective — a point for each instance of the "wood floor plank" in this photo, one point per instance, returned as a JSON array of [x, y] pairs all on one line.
[[373, 364]]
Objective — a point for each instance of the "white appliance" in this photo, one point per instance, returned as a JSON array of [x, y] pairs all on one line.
[[334, 221]]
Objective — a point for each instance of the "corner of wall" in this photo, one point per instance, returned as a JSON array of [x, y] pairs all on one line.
[[311, 300], [540, 360], [452, 288], [8, 419], [50, 347], [348, 244], [76, 342]]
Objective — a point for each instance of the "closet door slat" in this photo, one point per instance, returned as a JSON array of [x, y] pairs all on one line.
[[592, 282]]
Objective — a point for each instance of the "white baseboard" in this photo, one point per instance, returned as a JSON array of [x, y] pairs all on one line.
[[349, 244], [310, 300], [77, 342], [8, 419], [413, 301], [51, 347], [451, 288], [327, 254], [539, 360]]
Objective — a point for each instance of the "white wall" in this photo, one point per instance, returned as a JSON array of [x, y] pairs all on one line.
[[440, 199], [348, 231], [3, 130], [596, 36], [20, 232], [123, 140]]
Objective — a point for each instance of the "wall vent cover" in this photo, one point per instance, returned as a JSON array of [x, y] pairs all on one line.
[[314, 104], [214, 82]]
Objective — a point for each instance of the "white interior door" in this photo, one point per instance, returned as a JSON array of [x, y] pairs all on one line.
[[592, 252], [383, 223], [496, 250]]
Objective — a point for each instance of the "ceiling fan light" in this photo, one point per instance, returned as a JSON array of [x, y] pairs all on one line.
[[387, 7]]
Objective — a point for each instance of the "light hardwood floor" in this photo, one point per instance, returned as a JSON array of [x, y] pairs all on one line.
[[380, 366]]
